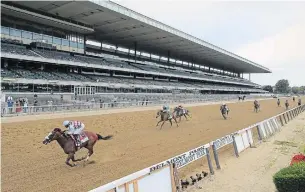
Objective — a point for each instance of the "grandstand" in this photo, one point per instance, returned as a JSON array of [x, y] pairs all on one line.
[[95, 49]]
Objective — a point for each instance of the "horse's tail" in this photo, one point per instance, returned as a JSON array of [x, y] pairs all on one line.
[[104, 138]]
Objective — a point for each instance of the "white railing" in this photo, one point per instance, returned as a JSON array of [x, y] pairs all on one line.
[[91, 106], [239, 141]]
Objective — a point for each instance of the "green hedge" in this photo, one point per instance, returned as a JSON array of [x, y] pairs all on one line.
[[291, 179]]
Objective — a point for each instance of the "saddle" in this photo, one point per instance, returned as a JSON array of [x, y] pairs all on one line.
[[80, 139]]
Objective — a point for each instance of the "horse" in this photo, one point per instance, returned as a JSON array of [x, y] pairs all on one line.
[[257, 107], [224, 111], [68, 144], [287, 105], [165, 117], [179, 112], [278, 103]]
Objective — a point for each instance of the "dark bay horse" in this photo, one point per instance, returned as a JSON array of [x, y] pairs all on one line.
[[257, 106], [179, 112], [224, 111], [68, 145], [165, 117], [287, 105]]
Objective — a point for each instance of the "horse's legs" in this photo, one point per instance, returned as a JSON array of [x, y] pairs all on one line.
[[224, 115], [162, 124], [70, 156], [185, 117], [75, 160], [176, 122], [171, 122], [158, 123]]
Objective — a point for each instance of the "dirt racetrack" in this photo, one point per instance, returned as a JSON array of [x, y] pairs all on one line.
[[28, 165]]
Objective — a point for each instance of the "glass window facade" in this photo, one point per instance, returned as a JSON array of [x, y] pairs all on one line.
[[5, 30], [56, 41], [65, 42], [15, 32], [27, 35]]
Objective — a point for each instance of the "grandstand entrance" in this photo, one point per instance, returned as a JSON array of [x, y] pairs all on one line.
[[87, 90]]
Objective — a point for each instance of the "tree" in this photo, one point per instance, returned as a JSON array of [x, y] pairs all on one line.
[[302, 89], [295, 90], [268, 88], [282, 86]]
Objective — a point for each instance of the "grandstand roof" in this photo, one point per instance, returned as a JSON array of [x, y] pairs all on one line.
[[115, 24]]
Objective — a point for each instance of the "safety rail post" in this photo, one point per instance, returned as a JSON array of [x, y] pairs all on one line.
[[260, 138], [248, 137], [284, 118], [282, 123], [288, 118], [293, 113], [235, 146], [209, 161], [216, 156]]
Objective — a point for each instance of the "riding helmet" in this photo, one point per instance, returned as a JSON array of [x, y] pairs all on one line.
[[66, 123]]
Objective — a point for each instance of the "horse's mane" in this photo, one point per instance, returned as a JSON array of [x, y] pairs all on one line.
[[57, 130]]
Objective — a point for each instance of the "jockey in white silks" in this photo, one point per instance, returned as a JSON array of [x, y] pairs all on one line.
[[74, 129], [182, 109]]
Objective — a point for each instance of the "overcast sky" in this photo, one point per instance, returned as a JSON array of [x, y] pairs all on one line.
[[269, 33]]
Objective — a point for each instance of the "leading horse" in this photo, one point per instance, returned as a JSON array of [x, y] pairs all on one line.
[[165, 117], [68, 144]]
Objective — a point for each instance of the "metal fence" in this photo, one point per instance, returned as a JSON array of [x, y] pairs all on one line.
[[91, 106]]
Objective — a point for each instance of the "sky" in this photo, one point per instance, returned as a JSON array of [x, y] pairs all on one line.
[[269, 33]]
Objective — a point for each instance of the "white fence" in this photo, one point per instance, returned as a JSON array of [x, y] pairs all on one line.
[[92, 106], [163, 176]]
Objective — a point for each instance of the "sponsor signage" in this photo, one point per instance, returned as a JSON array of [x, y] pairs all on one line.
[[219, 143], [183, 159]]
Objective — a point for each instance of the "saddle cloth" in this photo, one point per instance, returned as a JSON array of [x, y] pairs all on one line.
[[83, 138]]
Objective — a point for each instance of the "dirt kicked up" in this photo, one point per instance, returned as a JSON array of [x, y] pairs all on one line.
[[28, 165]]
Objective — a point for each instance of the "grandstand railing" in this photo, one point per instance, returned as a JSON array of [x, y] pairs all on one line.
[[93, 106], [237, 141]]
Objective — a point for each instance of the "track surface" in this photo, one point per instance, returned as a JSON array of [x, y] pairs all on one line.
[[27, 165]]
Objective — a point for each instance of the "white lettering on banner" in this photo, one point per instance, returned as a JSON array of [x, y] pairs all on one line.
[[219, 143], [183, 159]]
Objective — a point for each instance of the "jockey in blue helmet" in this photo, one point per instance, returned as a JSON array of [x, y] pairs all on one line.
[[74, 128], [167, 110]]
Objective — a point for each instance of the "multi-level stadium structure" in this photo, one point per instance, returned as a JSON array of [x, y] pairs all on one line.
[[97, 47]]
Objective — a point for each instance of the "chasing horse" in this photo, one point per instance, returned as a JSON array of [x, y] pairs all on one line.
[[287, 105], [257, 106], [70, 145], [180, 111], [224, 109], [165, 115]]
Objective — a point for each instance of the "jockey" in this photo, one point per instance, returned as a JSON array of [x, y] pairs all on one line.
[[278, 102], [74, 129], [182, 109], [224, 107], [166, 110]]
